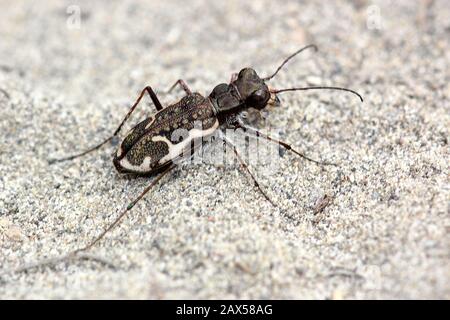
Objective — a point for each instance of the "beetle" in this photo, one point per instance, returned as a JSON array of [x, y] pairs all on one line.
[[148, 148]]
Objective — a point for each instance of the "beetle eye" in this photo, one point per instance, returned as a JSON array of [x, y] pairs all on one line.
[[259, 95], [258, 98]]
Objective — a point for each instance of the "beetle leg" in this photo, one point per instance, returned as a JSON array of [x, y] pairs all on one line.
[[181, 83], [153, 96], [78, 252], [234, 77], [244, 165], [240, 124], [157, 104], [124, 212]]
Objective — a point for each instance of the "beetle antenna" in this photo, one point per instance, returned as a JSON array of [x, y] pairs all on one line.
[[315, 88], [289, 58]]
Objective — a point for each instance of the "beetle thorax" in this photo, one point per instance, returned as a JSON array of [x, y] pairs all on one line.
[[247, 91]]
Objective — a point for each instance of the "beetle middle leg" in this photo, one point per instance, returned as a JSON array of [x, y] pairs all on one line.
[[244, 165], [182, 84], [240, 124], [157, 104], [128, 208]]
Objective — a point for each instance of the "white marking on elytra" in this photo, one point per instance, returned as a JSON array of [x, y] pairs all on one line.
[[143, 167], [176, 150], [119, 152]]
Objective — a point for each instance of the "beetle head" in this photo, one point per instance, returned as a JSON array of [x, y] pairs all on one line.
[[247, 91], [251, 91]]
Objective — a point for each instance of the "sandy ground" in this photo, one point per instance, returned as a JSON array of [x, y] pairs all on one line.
[[205, 232]]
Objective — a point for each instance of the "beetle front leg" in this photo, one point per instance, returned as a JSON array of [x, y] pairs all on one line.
[[244, 165], [240, 124], [157, 104]]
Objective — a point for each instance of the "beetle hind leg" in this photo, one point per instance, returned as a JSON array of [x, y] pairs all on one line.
[[124, 212], [182, 84], [157, 104]]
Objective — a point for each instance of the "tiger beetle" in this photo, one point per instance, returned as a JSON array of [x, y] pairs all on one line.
[[148, 149]]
